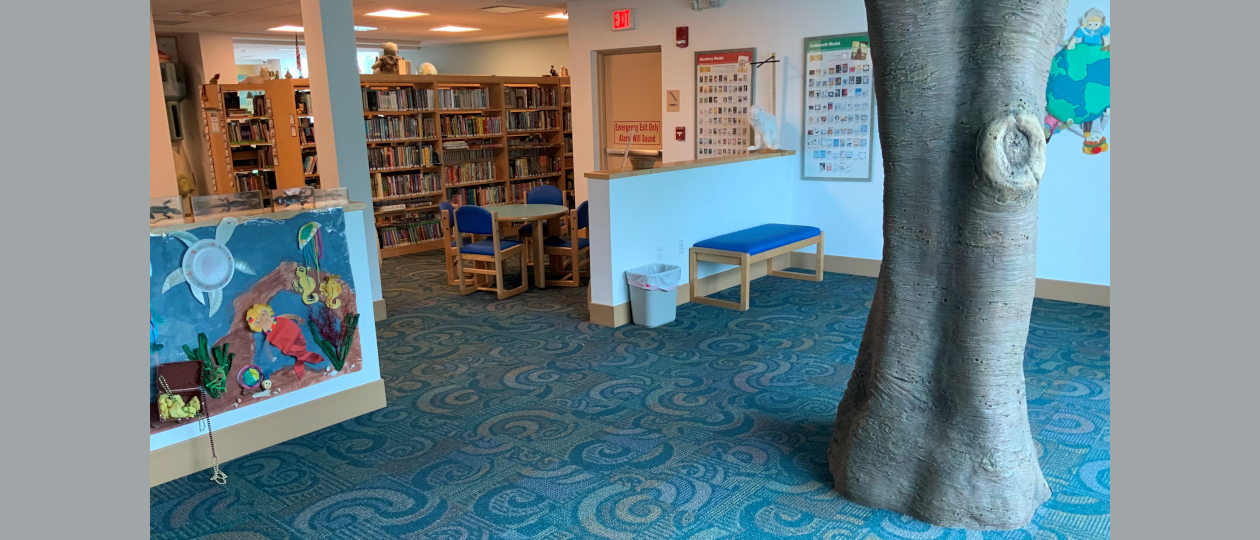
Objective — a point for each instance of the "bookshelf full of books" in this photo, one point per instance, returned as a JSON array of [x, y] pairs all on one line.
[[566, 114]]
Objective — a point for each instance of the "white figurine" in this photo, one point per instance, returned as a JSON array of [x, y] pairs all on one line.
[[765, 129], [428, 69]]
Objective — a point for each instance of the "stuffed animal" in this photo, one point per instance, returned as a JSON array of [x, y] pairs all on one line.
[[564, 71], [263, 76], [387, 63], [428, 69], [214, 79], [765, 129]]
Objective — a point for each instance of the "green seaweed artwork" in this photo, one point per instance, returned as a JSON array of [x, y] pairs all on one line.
[[215, 364]]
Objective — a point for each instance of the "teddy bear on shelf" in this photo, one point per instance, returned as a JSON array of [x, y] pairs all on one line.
[[387, 64]]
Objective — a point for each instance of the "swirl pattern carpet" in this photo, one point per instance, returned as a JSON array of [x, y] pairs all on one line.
[[517, 419]]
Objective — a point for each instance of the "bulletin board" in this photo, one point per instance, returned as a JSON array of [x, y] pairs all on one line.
[[838, 128], [725, 86]]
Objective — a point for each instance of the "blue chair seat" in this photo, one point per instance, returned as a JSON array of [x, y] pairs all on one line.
[[560, 242], [486, 247], [467, 240], [760, 238]]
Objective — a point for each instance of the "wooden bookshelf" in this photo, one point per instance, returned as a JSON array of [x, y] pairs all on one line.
[[279, 112]]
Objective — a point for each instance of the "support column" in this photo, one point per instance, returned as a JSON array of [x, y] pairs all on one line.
[[162, 181], [338, 111]]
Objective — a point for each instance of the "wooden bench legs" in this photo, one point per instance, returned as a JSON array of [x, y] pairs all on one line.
[[745, 261]]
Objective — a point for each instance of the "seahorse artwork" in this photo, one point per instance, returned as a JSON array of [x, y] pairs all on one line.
[[331, 289], [283, 333], [305, 285]]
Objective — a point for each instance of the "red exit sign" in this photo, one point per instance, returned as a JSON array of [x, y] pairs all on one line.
[[623, 19]]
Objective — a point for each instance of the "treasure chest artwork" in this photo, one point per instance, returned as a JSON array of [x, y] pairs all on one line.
[[282, 321], [1078, 92]]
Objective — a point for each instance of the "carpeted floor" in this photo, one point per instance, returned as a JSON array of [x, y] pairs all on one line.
[[518, 419]]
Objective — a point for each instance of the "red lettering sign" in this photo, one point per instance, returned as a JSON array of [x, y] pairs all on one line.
[[623, 19], [648, 133]]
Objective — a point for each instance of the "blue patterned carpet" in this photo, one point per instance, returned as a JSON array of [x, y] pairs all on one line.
[[517, 419]]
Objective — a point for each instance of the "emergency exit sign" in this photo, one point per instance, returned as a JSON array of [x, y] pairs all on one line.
[[623, 19]]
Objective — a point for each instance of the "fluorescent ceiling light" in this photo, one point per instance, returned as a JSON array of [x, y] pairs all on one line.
[[286, 28], [397, 14], [502, 9], [564, 16], [450, 28], [364, 28]]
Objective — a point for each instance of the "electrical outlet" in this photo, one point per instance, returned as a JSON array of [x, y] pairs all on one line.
[[660, 253], [680, 246]]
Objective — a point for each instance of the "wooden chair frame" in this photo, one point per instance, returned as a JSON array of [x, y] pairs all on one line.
[[450, 249], [745, 261], [481, 274], [572, 253]]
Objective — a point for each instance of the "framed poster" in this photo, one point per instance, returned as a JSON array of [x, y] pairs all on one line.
[[839, 124], [725, 82]]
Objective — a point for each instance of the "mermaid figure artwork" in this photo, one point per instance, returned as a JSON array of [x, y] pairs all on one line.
[[284, 333]]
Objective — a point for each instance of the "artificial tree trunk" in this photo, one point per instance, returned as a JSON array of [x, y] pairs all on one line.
[[934, 422]]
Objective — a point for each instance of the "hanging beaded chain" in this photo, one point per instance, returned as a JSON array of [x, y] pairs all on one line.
[[218, 476]]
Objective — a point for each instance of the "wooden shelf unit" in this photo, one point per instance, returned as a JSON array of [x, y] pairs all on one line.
[[285, 148], [494, 86]]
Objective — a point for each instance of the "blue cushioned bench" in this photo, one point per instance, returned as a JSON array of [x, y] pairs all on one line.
[[760, 243]]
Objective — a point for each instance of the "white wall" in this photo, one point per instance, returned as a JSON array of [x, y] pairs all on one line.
[[525, 57], [641, 214], [370, 371], [1074, 236], [202, 55]]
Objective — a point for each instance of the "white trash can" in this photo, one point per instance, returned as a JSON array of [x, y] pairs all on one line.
[[653, 300]]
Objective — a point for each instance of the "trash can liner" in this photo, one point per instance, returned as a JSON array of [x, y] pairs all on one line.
[[655, 277]]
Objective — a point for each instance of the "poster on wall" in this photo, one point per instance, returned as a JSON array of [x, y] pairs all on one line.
[[839, 123], [1078, 91], [725, 82]]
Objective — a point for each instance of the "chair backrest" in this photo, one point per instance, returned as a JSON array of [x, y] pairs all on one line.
[[474, 220], [583, 219], [448, 218], [545, 194]]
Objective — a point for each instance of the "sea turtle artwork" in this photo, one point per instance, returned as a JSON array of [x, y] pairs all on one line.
[[208, 265], [1078, 92]]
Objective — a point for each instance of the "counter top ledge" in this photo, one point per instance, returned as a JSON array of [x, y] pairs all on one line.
[[612, 174], [264, 214]]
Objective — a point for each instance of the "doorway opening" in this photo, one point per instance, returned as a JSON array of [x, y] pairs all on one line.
[[629, 104]]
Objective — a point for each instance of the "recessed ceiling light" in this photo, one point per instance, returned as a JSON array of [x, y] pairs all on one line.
[[286, 28], [564, 16], [501, 9], [364, 28], [397, 14], [450, 28]]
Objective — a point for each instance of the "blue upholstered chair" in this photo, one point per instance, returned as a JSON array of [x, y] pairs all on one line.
[[572, 246], [494, 251], [544, 194]]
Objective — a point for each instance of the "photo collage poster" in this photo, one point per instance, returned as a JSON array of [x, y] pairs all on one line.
[[839, 121], [724, 93]]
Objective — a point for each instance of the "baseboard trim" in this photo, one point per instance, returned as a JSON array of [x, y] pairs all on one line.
[[378, 309], [1049, 289], [610, 316], [187, 457]]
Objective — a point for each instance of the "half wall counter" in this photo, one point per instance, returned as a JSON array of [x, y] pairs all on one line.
[[266, 321]]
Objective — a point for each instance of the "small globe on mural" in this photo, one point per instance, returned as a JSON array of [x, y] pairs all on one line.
[[1079, 88], [250, 376]]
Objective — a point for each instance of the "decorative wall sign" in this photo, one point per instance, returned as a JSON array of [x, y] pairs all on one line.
[[839, 123], [166, 210], [292, 199], [227, 204], [725, 86], [263, 366]]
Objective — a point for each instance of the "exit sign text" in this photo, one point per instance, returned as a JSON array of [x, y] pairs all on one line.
[[623, 19]]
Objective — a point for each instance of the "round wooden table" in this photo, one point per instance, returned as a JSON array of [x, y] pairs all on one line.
[[536, 214]]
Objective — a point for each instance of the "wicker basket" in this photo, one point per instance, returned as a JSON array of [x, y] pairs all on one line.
[[642, 162]]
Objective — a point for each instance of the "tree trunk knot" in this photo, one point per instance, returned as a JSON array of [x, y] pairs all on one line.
[[1012, 156]]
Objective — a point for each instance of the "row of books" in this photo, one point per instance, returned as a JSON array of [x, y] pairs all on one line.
[[390, 128], [568, 143], [254, 105], [530, 140], [480, 196], [568, 95], [401, 233], [306, 131], [395, 185], [308, 164], [568, 120], [397, 99], [256, 158], [302, 101], [247, 131], [529, 97], [532, 120], [255, 182], [471, 126], [467, 173], [452, 156], [534, 166], [463, 98], [393, 157]]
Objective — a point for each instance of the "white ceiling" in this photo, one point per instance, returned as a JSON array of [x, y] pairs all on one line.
[[252, 18]]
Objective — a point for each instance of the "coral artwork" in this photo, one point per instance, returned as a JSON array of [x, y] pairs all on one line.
[[333, 333]]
